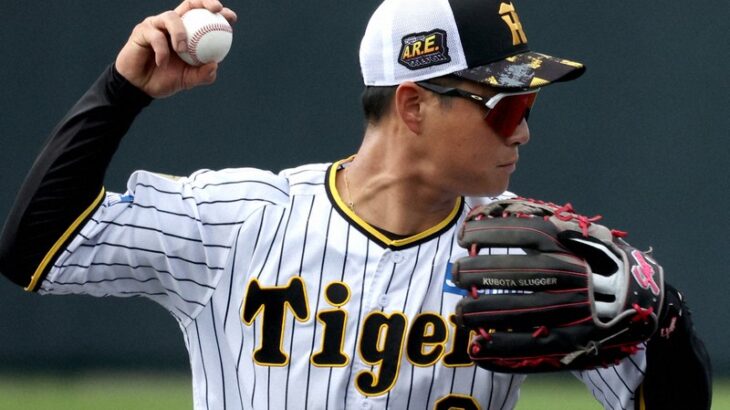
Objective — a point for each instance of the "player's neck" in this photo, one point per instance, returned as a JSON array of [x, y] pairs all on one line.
[[387, 188]]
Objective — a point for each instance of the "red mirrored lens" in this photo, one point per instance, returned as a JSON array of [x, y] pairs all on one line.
[[507, 115]]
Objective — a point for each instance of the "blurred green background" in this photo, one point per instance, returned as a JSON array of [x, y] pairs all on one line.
[[102, 391], [642, 138]]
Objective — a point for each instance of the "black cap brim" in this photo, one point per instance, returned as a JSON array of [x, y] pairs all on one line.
[[526, 70]]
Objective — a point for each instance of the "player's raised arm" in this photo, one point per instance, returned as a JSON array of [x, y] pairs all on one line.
[[65, 184]]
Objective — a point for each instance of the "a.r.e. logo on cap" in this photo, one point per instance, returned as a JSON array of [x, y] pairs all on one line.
[[422, 50]]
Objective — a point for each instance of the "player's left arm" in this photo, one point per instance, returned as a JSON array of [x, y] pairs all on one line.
[[678, 373], [580, 298]]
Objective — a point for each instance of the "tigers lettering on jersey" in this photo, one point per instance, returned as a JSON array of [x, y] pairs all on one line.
[[273, 304], [384, 338], [331, 354]]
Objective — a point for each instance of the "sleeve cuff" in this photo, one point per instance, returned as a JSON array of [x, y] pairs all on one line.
[[123, 93]]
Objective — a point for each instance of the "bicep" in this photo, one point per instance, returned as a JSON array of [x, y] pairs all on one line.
[[128, 248], [167, 239]]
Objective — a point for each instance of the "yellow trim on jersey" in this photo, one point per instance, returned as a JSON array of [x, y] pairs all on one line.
[[372, 230], [324, 326], [432, 345], [380, 346], [56, 246], [450, 396], [642, 402]]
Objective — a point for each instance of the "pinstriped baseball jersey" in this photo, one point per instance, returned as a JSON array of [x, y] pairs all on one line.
[[287, 300]]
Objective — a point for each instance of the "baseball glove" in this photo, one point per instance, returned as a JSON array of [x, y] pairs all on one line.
[[550, 289]]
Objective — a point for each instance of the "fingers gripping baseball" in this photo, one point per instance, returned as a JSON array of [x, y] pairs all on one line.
[[149, 59], [214, 6]]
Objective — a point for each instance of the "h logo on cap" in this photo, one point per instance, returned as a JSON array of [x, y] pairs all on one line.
[[509, 15]]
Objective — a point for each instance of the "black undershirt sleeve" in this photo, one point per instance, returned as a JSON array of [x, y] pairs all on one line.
[[65, 183], [678, 369]]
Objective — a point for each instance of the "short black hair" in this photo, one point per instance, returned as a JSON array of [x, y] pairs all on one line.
[[376, 101]]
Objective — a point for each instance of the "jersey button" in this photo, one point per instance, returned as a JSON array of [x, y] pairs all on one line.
[[383, 302], [365, 405], [398, 257]]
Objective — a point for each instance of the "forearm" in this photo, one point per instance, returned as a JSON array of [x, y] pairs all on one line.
[[65, 183], [678, 373]]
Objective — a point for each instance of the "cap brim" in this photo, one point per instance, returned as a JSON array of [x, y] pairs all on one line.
[[524, 71]]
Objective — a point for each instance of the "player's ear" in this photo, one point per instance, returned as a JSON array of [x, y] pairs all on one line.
[[408, 105]]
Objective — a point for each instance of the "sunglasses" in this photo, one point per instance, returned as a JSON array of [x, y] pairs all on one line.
[[505, 111]]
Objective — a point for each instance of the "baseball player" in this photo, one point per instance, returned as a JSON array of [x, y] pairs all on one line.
[[326, 285]]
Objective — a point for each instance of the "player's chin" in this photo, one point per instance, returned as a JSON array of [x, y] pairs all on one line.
[[489, 188]]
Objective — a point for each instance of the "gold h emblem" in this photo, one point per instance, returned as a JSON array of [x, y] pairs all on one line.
[[509, 15]]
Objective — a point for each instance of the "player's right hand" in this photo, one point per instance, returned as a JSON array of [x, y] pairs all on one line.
[[148, 59]]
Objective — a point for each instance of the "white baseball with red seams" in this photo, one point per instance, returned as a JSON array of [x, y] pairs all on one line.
[[209, 37]]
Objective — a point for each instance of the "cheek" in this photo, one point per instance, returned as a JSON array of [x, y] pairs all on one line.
[[484, 148]]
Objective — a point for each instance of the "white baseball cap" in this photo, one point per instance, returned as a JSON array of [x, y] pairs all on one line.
[[478, 40]]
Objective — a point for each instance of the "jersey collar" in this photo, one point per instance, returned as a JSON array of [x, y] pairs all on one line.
[[375, 234]]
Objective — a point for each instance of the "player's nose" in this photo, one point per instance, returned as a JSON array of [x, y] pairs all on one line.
[[521, 136]]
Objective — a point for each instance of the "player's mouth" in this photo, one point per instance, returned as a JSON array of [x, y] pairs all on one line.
[[509, 166]]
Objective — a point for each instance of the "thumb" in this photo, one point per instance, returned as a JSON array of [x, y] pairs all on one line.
[[201, 75]]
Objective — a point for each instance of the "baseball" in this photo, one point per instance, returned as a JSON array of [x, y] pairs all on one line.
[[209, 37]]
